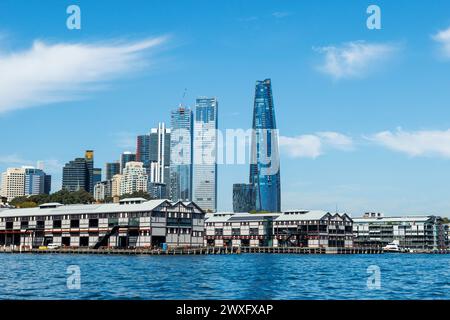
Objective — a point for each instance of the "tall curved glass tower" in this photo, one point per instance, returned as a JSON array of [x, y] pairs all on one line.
[[265, 160]]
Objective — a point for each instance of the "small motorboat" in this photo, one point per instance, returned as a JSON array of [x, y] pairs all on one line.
[[392, 247]]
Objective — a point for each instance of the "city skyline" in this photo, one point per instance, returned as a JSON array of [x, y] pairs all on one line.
[[370, 135]]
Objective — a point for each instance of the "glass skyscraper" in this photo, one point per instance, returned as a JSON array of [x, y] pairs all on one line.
[[79, 173], [243, 197], [111, 169], [127, 156], [265, 161], [181, 154], [204, 184]]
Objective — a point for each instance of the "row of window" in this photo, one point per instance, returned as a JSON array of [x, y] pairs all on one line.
[[104, 216]]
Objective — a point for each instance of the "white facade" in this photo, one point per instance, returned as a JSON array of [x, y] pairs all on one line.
[[13, 183], [115, 185], [159, 170], [204, 182], [134, 178]]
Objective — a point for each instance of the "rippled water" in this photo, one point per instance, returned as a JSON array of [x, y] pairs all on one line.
[[246, 276]]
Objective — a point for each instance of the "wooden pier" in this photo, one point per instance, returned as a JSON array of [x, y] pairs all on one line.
[[202, 251]]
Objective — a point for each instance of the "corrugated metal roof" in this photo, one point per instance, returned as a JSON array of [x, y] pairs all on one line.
[[84, 208], [393, 219]]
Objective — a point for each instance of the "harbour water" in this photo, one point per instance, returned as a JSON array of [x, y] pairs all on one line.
[[245, 276]]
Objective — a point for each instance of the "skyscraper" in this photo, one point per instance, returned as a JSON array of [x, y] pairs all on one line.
[[265, 161], [127, 156], [204, 183], [159, 155], [25, 181], [48, 184], [78, 174], [34, 181], [143, 150], [181, 154], [111, 169], [97, 175], [89, 157], [243, 197]]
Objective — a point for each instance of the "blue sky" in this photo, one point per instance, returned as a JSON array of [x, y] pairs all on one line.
[[363, 114]]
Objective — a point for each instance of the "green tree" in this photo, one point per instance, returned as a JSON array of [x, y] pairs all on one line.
[[137, 194]]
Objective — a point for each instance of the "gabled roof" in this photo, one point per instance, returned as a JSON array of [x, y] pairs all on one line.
[[85, 209]]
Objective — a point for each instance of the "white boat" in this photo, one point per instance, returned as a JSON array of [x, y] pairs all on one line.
[[392, 247]]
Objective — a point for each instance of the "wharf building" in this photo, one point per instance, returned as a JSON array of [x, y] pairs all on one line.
[[302, 228], [425, 232], [132, 223]]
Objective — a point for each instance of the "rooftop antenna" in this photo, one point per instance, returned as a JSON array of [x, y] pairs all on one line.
[[182, 97]]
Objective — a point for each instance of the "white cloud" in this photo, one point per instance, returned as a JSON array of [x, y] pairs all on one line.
[[354, 59], [415, 143], [443, 38], [51, 166], [314, 145], [49, 73], [281, 14], [125, 140]]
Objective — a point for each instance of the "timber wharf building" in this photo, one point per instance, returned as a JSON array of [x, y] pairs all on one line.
[[301, 228], [132, 222]]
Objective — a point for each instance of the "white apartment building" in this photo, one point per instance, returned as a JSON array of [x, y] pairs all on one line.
[[134, 178]]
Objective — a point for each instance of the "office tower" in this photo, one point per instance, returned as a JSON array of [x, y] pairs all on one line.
[[243, 197], [181, 154], [47, 184], [265, 165], [134, 178], [143, 150], [25, 181], [97, 175], [126, 157], [157, 190], [78, 174], [204, 182], [159, 155], [13, 183], [111, 169], [34, 181], [89, 156]]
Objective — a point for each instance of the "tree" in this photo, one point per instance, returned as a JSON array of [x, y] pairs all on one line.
[[62, 196], [137, 194]]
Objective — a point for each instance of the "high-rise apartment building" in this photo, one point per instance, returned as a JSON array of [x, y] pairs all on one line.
[[181, 154], [265, 160], [134, 178], [160, 156], [204, 182]]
